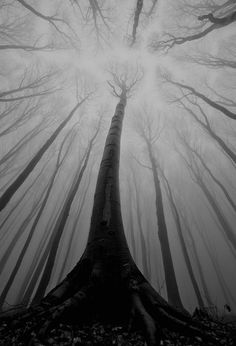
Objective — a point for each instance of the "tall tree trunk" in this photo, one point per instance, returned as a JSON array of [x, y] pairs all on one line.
[[35, 223], [18, 202], [217, 181], [37, 266], [61, 222], [224, 287], [199, 265], [106, 283], [19, 233], [75, 227], [208, 128], [228, 231], [182, 242], [170, 277], [16, 149]]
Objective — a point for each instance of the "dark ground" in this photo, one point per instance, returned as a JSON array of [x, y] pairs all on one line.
[[109, 335]]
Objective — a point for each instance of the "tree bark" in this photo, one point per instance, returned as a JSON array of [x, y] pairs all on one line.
[[142, 237]]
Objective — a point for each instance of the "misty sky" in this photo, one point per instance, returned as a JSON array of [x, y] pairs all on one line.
[[78, 59]]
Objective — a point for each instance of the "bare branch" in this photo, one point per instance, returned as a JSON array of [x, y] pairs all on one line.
[[124, 79], [207, 100], [219, 17], [28, 48], [53, 20]]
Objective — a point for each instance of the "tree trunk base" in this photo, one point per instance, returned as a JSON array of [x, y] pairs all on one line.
[[106, 291]]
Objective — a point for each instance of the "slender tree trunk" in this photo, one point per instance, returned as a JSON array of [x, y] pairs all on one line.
[[18, 202], [207, 127], [221, 218], [74, 228], [15, 150], [223, 145], [34, 225], [226, 291], [60, 224], [36, 267], [228, 232], [199, 265], [211, 103], [217, 181], [137, 13], [182, 242], [170, 277], [19, 233], [11, 190]]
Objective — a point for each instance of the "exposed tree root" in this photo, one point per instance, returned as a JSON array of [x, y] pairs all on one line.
[[149, 325], [97, 295]]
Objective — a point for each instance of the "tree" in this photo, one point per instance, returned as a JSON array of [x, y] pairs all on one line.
[[197, 177], [49, 187], [26, 114], [192, 91], [30, 85], [196, 152], [220, 16], [182, 240], [5, 257], [201, 118], [53, 20], [18, 17], [36, 268], [62, 219], [137, 13], [95, 14], [7, 195], [13, 31], [16, 149], [150, 135], [213, 61], [7, 254], [215, 263], [197, 258], [106, 279]]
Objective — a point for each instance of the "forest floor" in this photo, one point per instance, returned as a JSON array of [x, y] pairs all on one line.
[[108, 335]]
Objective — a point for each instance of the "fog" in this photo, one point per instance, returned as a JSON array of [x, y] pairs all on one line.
[[70, 51]]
